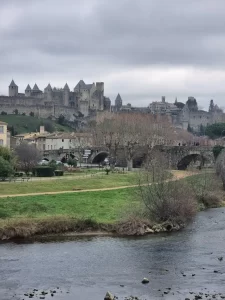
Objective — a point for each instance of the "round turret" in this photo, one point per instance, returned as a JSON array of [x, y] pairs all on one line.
[[28, 91], [48, 93], [13, 89], [66, 95]]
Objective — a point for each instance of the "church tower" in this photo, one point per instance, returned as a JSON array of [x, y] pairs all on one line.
[[13, 89]]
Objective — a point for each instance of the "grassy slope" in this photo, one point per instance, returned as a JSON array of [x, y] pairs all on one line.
[[23, 124], [64, 184], [102, 207]]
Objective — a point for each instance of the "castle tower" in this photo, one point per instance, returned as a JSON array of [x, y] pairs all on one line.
[[48, 93], [13, 89], [66, 95], [35, 88], [185, 116], [211, 106], [28, 91], [100, 89], [118, 102]]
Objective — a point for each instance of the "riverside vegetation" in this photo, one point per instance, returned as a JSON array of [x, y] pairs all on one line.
[[119, 211]]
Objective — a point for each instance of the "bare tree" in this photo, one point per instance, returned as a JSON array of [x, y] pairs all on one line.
[[130, 131], [165, 199], [80, 142], [28, 156], [108, 133]]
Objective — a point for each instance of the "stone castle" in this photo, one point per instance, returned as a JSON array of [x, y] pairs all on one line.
[[84, 100], [188, 115], [182, 115], [87, 99]]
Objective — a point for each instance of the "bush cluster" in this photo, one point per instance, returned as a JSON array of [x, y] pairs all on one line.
[[59, 172], [43, 171], [6, 163]]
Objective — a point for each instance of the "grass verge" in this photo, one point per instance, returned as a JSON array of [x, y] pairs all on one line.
[[66, 184]]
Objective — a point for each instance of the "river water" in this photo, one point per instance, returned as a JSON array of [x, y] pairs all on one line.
[[86, 268]]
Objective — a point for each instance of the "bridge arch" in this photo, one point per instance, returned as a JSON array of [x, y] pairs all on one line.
[[185, 161], [46, 159], [100, 157]]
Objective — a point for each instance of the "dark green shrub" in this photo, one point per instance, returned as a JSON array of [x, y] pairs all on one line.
[[61, 119], [72, 162], [6, 168], [216, 130], [107, 170], [53, 164], [6, 154], [19, 174], [59, 172], [216, 150], [44, 171]]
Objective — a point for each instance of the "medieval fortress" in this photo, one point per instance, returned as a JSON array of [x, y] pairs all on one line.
[[188, 115], [84, 100], [182, 115]]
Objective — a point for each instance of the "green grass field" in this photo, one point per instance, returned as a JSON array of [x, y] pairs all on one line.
[[24, 124], [102, 207], [25, 216], [66, 184]]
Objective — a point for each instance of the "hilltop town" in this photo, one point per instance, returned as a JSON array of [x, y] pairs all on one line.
[[85, 100]]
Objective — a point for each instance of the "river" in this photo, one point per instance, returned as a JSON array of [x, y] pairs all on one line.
[[86, 268]]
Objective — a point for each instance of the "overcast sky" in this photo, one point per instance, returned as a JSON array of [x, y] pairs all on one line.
[[142, 49]]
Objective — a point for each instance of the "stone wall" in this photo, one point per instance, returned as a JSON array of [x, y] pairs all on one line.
[[43, 111]]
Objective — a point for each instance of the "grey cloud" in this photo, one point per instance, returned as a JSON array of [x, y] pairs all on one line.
[[135, 32], [94, 38]]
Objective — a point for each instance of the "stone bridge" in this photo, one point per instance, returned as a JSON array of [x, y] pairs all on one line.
[[97, 154], [179, 157]]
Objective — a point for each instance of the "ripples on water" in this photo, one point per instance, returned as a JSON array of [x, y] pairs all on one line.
[[86, 268]]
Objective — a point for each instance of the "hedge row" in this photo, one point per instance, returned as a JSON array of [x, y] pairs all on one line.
[[46, 171]]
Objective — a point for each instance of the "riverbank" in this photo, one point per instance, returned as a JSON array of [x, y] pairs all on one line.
[[111, 212], [69, 227]]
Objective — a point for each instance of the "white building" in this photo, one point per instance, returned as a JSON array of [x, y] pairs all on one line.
[[66, 141]]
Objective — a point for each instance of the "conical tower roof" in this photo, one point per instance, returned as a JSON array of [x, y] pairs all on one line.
[[66, 87], [118, 97], [28, 88], [48, 87], [36, 88], [81, 84], [12, 83]]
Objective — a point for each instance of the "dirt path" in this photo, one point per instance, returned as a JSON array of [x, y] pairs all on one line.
[[176, 175]]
